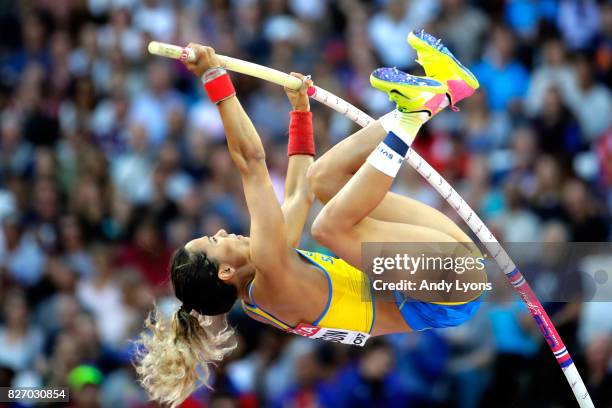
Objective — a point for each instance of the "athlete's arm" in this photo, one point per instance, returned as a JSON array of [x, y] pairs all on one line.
[[298, 197], [269, 249]]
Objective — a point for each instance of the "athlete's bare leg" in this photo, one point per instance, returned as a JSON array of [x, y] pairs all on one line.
[[362, 210], [348, 218], [347, 221], [331, 172], [335, 168]]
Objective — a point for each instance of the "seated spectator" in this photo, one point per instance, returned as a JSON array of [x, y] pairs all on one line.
[[587, 219], [20, 253], [16, 154], [516, 222], [477, 189], [20, 341], [372, 381], [484, 130], [556, 278], [85, 382], [152, 106], [87, 60], [309, 388], [76, 112], [65, 356], [73, 245], [156, 18], [516, 343], [552, 70], [33, 49], [109, 124], [147, 252], [131, 171], [557, 129], [503, 78], [101, 295], [523, 158], [590, 101], [470, 359], [388, 30], [545, 200], [121, 35], [598, 356], [464, 26]]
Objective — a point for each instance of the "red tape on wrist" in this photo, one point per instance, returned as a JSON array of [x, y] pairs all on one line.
[[301, 136], [219, 88]]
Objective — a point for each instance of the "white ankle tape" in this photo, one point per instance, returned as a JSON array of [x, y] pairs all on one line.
[[389, 155]]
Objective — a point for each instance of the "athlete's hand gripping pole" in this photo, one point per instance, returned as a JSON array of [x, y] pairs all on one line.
[[512, 273], [229, 63]]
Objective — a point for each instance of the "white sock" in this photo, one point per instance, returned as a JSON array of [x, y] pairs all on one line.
[[401, 130], [404, 125]]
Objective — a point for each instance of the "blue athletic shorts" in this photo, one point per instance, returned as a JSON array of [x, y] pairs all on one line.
[[422, 315]]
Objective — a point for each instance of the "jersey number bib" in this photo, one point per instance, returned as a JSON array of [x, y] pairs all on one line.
[[343, 336]]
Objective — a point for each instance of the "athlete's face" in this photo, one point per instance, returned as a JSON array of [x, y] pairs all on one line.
[[230, 249]]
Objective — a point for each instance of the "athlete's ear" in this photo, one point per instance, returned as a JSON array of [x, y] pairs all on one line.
[[226, 272]]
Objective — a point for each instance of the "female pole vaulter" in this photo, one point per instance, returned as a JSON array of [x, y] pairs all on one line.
[[302, 292]]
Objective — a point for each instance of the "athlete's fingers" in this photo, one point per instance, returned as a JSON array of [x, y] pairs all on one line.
[[297, 75], [308, 81]]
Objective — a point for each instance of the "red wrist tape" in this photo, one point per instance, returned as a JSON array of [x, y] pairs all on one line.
[[301, 136], [218, 85]]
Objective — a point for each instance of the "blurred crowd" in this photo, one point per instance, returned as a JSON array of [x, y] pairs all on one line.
[[111, 158]]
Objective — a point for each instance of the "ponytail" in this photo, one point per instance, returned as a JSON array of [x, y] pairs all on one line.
[[173, 355]]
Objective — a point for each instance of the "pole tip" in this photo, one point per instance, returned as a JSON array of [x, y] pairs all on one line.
[[153, 47]]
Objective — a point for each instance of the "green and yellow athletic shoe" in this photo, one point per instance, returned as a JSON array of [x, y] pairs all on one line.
[[440, 64], [410, 93]]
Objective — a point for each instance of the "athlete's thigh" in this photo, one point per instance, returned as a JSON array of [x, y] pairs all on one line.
[[347, 245], [405, 210]]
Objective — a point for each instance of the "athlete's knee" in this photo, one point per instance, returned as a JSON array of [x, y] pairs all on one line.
[[319, 230], [324, 230]]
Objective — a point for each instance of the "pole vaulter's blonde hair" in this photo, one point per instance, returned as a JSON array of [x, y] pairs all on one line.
[[173, 355]]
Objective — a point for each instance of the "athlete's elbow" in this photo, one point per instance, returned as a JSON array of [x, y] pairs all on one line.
[[254, 154], [248, 160]]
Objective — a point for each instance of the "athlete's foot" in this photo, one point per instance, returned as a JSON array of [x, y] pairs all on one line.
[[410, 93], [440, 64]]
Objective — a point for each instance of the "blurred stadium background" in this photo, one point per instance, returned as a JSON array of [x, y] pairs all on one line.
[[111, 158]]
